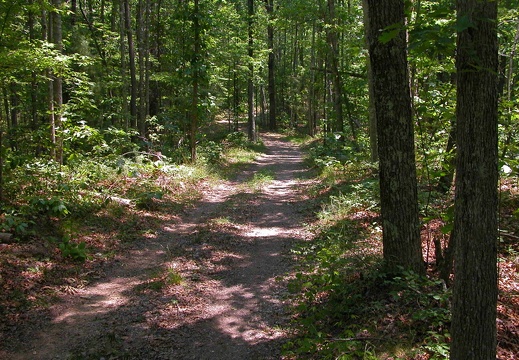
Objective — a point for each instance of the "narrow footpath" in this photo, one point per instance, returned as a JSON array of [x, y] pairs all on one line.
[[224, 262]]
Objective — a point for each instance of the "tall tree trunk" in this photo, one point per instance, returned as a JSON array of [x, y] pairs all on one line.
[[476, 200], [140, 29], [34, 83], [312, 101], [269, 5], [196, 79], [123, 68], [372, 113], [147, 61], [250, 80], [133, 67], [56, 85], [398, 185], [332, 37]]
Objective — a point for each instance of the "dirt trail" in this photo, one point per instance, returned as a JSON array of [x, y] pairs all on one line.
[[210, 286]]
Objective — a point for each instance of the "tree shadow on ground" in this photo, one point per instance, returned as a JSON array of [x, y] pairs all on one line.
[[227, 300]]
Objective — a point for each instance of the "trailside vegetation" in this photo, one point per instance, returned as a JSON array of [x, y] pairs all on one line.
[[114, 114]]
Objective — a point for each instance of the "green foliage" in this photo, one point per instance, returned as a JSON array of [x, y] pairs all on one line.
[[347, 305], [173, 277], [77, 252], [146, 200], [211, 152], [13, 222], [236, 139], [50, 207]]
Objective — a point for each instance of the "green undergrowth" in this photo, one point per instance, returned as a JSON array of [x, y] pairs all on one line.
[[346, 306], [66, 220]]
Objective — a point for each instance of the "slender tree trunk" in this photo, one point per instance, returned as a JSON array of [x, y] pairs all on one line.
[[269, 4], [142, 30], [58, 84], [147, 61], [476, 200], [133, 67], [333, 44], [372, 113], [250, 81], [123, 68], [312, 103], [196, 79], [14, 100], [398, 185], [34, 83]]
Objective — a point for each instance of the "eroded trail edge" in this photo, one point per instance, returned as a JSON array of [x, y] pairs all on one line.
[[209, 286]]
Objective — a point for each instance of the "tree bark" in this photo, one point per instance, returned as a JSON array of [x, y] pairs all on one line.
[[123, 68], [133, 67], [476, 199], [372, 113], [57, 85], [333, 45], [398, 185], [250, 81], [196, 80], [269, 5]]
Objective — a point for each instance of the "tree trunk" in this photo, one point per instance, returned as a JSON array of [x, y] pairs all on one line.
[[312, 101], [34, 82], [196, 80], [372, 114], [476, 200], [123, 69], [333, 44], [56, 86], [398, 185], [250, 81], [141, 34], [269, 4], [133, 67]]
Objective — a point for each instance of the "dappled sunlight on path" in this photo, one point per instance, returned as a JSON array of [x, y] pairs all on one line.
[[209, 286]]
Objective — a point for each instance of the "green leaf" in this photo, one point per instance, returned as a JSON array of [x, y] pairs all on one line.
[[463, 23], [447, 228], [390, 33]]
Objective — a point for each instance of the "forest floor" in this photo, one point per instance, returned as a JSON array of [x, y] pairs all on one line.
[[205, 273], [209, 284]]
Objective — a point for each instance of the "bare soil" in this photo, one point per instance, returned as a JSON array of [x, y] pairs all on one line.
[[210, 285]]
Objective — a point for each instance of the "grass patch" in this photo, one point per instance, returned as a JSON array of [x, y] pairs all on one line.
[[259, 180]]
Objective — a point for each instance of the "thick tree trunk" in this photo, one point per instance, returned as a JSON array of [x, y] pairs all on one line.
[[476, 200], [398, 185]]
